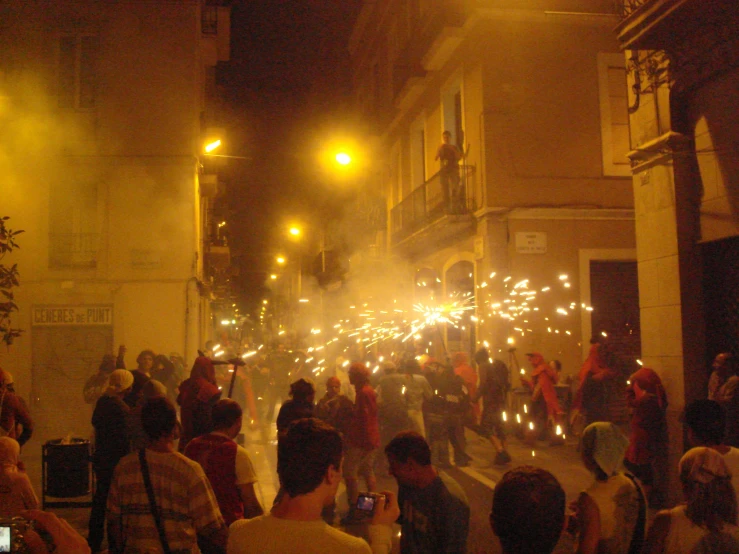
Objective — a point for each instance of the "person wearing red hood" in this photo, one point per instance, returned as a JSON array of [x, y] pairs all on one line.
[[198, 395], [462, 367], [543, 393], [591, 399], [648, 437]]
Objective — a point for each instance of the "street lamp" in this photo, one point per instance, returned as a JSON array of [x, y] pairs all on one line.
[[342, 158], [295, 231], [280, 260], [273, 276], [212, 146]]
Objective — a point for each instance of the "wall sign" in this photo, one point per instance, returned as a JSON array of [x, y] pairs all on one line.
[[531, 243], [72, 315]]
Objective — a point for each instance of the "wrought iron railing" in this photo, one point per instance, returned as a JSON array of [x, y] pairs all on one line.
[[439, 196], [73, 250], [627, 7]]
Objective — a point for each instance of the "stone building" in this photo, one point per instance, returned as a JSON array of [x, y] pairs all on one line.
[[683, 61], [533, 95], [105, 108]]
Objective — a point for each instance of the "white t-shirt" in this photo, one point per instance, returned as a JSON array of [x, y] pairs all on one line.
[[245, 473], [732, 462], [268, 534]]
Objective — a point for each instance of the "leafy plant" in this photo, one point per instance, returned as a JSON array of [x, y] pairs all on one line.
[[8, 281]]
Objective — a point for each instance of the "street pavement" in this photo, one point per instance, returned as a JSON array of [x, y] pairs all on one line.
[[478, 480]]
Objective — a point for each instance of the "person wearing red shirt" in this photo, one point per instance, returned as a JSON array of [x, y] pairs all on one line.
[[226, 464], [462, 367], [543, 394], [362, 436]]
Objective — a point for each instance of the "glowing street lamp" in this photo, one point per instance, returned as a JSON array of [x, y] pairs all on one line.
[[212, 146], [280, 260], [295, 231], [342, 158], [273, 276]]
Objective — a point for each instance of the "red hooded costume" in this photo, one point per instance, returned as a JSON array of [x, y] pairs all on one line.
[[196, 399], [543, 379]]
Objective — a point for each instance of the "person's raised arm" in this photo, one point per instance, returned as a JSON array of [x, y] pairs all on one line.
[[385, 514]]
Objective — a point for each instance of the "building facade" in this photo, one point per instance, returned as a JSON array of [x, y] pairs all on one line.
[[540, 228], [105, 108], [683, 60]]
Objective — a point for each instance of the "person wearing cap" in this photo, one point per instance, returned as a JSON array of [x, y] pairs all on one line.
[[707, 520], [111, 443], [13, 412], [362, 436]]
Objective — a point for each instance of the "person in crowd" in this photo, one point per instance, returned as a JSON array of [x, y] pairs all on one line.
[[10, 387], [299, 405], [335, 408], [648, 435], [111, 443], [493, 390], [528, 514], [435, 512], [185, 503], [705, 423], [341, 372], [392, 407], [227, 464], [198, 394], [462, 367], [722, 370], [13, 412], [142, 373], [362, 436], [449, 155], [723, 387], [444, 415], [544, 404], [611, 513], [59, 536], [16, 491], [165, 372], [136, 433], [309, 460], [591, 399], [417, 391], [706, 523], [95, 386], [280, 364]]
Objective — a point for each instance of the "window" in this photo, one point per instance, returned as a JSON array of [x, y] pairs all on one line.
[[77, 71], [614, 114], [73, 237], [209, 20], [451, 105], [418, 153]]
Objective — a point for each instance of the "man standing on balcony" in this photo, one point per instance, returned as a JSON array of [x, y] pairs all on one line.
[[449, 155]]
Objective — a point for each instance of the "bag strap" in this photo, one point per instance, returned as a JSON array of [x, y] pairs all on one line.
[[153, 502], [637, 539]]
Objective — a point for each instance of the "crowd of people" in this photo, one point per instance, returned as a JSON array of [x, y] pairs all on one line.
[[176, 480]]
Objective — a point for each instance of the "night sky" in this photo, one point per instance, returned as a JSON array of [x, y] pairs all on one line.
[[288, 80]]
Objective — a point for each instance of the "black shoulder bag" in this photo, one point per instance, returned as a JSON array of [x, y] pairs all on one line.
[[153, 502], [637, 539]]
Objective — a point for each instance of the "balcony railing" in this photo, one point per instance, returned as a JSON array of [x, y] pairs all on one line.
[[73, 250], [430, 202], [627, 7]]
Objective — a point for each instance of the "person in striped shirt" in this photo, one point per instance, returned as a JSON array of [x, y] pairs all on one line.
[[185, 500]]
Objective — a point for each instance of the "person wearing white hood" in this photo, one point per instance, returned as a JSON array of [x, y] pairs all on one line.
[[111, 444]]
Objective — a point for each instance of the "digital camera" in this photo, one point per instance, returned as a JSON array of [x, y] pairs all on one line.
[[12, 534], [366, 502]]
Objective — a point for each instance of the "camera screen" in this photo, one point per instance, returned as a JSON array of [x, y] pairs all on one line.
[[4, 538], [365, 503]]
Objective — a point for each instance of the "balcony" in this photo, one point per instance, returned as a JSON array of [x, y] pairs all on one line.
[[217, 255], [426, 218], [73, 250]]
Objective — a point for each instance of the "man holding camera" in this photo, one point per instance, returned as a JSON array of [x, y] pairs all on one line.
[[309, 459], [435, 513]]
